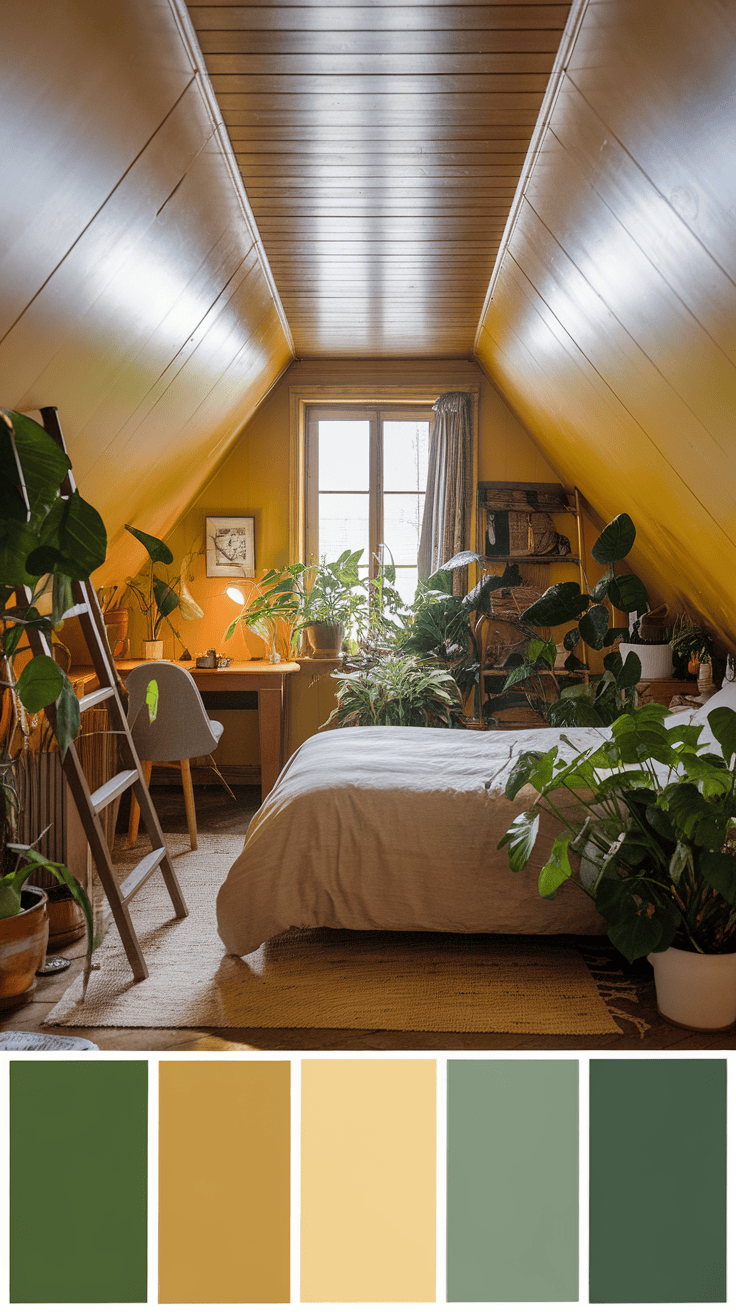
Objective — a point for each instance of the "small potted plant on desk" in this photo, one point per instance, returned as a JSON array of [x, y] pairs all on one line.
[[648, 818], [157, 597]]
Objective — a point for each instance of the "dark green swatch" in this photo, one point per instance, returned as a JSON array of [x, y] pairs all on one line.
[[512, 1181], [658, 1181], [78, 1181]]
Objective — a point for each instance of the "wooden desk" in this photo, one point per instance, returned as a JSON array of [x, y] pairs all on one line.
[[240, 679]]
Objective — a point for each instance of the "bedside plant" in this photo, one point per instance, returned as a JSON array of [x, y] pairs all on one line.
[[650, 811], [602, 700], [397, 690]]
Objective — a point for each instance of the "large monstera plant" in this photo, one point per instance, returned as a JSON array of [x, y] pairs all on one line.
[[45, 538], [600, 701]]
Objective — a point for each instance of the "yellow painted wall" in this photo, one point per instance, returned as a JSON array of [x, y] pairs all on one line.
[[254, 480], [611, 325]]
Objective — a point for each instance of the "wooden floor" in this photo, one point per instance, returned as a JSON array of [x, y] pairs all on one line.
[[629, 990]]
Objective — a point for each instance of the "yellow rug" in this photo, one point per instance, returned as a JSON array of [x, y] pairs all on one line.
[[327, 979]]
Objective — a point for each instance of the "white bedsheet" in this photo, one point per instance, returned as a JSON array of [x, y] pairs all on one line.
[[392, 828]]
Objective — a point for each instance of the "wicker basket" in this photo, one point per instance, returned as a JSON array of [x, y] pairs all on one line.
[[510, 603], [502, 638]]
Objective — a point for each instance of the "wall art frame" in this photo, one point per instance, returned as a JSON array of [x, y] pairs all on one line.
[[230, 546]]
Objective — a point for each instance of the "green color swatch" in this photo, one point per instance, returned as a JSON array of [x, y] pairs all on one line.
[[512, 1181], [658, 1181], [78, 1181]]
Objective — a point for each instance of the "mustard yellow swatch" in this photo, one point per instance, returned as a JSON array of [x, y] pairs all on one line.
[[224, 1130], [368, 1181]]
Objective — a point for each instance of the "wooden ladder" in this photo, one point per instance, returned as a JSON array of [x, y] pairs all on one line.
[[89, 805]]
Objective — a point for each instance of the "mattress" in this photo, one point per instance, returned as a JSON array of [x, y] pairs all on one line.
[[394, 829]]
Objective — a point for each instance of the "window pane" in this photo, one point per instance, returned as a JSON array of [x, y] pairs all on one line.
[[343, 455], [405, 454], [402, 524], [406, 584], [343, 524]]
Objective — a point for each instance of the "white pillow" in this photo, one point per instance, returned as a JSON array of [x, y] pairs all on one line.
[[726, 696]]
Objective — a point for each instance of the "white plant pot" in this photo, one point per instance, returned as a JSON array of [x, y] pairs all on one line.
[[153, 651], [656, 658], [694, 989], [326, 639]]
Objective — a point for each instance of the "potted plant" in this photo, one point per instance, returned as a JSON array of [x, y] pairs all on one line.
[[330, 603], [649, 641], [158, 597], [692, 646], [601, 700], [397, 690], [648, 818], [42, 534]]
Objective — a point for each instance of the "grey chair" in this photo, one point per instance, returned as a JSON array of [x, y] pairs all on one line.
[[181, 729]]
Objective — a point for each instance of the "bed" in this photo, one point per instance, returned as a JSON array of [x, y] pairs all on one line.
[[393, 829]]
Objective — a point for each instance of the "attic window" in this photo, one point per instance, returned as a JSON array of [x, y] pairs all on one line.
[[366, 478]]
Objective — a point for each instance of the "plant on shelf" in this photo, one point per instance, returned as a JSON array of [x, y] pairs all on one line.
[[600, 701], [649, 812], [692, 646], [397, 690], [442, 627], [158, 597], [42, 534]]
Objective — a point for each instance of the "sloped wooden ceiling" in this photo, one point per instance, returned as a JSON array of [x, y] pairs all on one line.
[[380, 145], [133, 291], [611, 328]]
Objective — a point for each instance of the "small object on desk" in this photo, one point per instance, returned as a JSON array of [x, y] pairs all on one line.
[[186, 655], [208, 662]]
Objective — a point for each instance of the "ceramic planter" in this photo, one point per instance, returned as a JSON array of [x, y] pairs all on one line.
[[655, 657], [326, 639], [153, 651], [23, 941], [694, 989]]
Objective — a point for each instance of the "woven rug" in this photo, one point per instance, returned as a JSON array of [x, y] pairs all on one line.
[[327, 979]]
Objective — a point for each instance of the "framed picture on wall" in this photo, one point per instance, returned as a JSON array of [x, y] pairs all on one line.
[[231, 550]]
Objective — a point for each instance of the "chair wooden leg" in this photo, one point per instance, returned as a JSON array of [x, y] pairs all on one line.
[[186, 780], [135, 810]]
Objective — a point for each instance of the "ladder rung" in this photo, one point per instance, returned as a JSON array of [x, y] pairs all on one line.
[[80, 609], [112, 789], [92, 698], [138, 876]]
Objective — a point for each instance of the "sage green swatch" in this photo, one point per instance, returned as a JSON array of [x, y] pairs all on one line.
[[78, 1181], [658, 1181], [512, 1181]]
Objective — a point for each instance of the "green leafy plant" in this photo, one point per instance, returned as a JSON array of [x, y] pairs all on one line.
[[42, 535], [600, 701], [689, 641], [650, 810], [397, 690], [158, 597]]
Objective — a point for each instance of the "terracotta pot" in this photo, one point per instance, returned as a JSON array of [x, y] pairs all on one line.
[[326, 639], [66, 918], [153, 651], [116, 624], [23, 941], [696, 990], [655, 657]]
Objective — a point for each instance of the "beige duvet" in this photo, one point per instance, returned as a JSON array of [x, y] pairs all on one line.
[[393, 829]]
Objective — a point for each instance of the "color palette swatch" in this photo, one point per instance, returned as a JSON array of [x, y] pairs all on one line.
[[658, 1181], [78, 1181], [512, 1181], [235, 1135], [224, 1181], [368, 1171]]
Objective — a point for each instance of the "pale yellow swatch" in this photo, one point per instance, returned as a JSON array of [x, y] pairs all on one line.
[[224, 1181], [368, 1181]]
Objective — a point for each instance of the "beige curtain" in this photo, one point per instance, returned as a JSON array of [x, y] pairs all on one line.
[[447, 505]]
